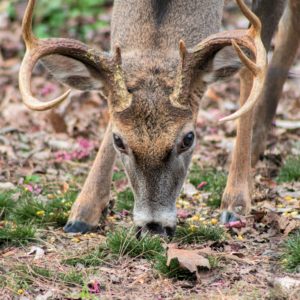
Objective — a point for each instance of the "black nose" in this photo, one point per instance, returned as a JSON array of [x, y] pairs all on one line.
[[156, 228]]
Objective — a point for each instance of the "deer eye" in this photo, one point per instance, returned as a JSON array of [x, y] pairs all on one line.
[[119, 143], [187, 141]]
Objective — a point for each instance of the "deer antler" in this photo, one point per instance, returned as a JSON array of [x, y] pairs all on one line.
[[38, 48], [249, 39]]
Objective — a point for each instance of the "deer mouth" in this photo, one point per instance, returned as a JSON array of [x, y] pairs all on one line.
[[155, 228]]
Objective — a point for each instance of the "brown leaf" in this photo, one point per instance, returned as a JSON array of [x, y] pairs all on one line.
[[188, 259]]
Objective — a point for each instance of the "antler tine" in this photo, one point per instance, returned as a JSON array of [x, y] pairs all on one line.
[[253, 19], [28, 35], [258, 69], [245, 59], [34, 51]]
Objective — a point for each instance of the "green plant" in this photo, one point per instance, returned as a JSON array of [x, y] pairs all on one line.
[[125, 200], [291, 253], [18, 234], [92, 259], [118, 175], [6, 204], [290, 171], [124, 242], [198, 234], [215, 183]]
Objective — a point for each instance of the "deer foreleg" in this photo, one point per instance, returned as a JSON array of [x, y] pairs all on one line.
[[236, 198], [87, 209]]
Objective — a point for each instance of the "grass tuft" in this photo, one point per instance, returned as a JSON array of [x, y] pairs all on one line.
[[216, 182], [16, 234], [124, 242], [6, 204], [291, 253], [199, 234], [290, 171], [92, 259]]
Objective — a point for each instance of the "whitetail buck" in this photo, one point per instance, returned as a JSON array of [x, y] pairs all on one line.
[[164, 55]]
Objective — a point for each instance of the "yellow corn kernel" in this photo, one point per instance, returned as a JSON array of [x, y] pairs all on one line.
[[294, 214], [20, 292], [240, 237], [195, 218], [214, 221], [40, 213], [288, 198], [75, 240], [193, 228]]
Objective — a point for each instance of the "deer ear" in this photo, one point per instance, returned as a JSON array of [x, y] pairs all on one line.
[[73, 72], [224, 64]]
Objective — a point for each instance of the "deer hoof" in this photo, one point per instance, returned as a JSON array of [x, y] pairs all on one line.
[[78, 226], [228, 216]]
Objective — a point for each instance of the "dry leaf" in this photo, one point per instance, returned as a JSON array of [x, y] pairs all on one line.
[[188, 259], [39, 252]]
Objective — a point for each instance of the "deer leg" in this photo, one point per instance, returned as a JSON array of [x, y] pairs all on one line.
[[87, 209], [236, 198], [286, 46]]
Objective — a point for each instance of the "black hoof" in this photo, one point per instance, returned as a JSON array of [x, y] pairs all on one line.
[[228, 216], [78, 226]]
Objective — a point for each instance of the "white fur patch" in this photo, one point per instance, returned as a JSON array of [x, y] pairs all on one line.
[[165, 218]]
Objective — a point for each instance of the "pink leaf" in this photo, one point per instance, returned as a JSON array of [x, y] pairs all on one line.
[[201, 185], [183, 214], [94, 287]]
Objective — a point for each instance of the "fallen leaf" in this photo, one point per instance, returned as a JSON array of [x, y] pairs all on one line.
[[183, 214], [235, 224], [188, 259], [94, 287], [39, 252], [189, 189]]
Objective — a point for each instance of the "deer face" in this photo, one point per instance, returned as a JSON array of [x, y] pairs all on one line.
[[155, 141]]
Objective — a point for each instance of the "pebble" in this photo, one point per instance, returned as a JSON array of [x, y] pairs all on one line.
[[7, 186]]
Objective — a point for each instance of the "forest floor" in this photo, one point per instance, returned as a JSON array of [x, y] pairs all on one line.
[[45, 158]]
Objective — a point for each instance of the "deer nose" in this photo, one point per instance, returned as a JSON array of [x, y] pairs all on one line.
[[156, 228]]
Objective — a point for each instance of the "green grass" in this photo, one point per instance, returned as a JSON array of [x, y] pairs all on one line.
[[291, 253], [199, 234], [18, 234], [24, 277], [32, 209], [118, 175], [124, 242], [6, 204], [290, 171], [92, 259], [50, 212], [22, 211], [216, 182], [125, 200]]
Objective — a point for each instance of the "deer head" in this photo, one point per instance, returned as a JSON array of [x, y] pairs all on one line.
[[153, 103]]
